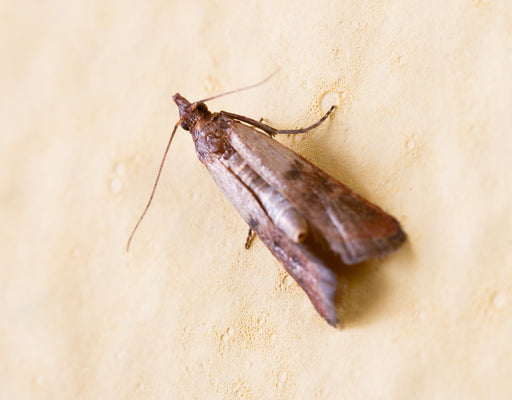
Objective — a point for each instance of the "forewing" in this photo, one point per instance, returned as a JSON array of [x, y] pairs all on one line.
[[351, 226], [317, 280]]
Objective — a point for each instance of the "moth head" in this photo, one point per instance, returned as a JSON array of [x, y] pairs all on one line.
[[189, 112]]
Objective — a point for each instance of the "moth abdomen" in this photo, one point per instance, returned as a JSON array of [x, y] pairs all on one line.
[[284, 215]]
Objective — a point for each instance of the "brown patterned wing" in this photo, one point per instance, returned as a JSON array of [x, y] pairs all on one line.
[[311, 272], [351, 226]]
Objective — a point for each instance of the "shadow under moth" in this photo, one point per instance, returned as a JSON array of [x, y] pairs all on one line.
[[310, 221]]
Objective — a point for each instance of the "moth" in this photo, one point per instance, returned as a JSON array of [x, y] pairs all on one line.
[[311, 222]]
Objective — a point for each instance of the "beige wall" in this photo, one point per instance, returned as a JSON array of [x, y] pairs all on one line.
[[424, 129]]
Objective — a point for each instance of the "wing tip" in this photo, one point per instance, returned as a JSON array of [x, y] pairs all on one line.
[[327, 288], [374, 248], [333, 321]]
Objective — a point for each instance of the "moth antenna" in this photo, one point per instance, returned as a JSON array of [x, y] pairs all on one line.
[[240, 89], [154, 186]]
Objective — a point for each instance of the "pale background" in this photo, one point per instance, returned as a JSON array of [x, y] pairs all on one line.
[[424, 129]]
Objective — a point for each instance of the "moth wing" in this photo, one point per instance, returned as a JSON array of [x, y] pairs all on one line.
[[352, 227], [317, 280]]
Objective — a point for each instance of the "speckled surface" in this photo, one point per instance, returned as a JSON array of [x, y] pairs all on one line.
[[423, 129]]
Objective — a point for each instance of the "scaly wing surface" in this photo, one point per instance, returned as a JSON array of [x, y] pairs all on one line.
[[351, 226], [317, 280]]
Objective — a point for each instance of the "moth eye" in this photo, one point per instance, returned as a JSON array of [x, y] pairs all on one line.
[[202, 107]]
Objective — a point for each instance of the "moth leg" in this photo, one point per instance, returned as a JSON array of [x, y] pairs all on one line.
[[271, 135], [272, 131], [250, 237]]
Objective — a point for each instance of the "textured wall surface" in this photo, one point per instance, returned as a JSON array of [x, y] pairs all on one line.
[[423, 129]]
